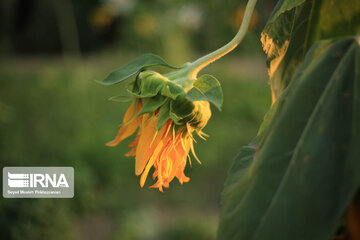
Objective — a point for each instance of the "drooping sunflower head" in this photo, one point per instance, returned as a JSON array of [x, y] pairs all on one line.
[[165, 113]]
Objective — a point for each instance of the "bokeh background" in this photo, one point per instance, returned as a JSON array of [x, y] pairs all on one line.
[[53, 113]]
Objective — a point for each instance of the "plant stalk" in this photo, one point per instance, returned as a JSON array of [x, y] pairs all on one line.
[[195, 67]]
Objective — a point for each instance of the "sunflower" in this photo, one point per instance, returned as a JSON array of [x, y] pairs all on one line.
[[165, 121]]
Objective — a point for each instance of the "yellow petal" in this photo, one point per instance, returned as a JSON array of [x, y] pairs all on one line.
[[142, 151], [124, 132], [193, 152], [151, 163], [159, 185], [130, 113]]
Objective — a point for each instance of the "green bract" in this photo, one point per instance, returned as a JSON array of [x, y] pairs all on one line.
[[170, 99], [150, 83], [206, 88]]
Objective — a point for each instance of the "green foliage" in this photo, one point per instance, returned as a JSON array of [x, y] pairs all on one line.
[[206, 88], [148, 84], [164, 115], [180, 110], [151, 104], [295, 25], [172, 90], [134, 67], [298, 176], [121, 98]]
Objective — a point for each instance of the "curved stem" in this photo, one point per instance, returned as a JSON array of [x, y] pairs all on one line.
[[195, 67]]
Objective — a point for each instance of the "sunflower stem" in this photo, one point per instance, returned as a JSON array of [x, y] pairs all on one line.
[[195, 67]]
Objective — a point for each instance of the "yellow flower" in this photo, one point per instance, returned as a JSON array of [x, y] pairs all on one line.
[[167, 148]]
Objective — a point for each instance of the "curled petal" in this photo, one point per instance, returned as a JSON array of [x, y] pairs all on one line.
[[125, 131], [129, 126]]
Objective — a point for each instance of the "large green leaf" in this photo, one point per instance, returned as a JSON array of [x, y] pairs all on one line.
[[206, 88], [134, 67], [295, 25], [297, 177]]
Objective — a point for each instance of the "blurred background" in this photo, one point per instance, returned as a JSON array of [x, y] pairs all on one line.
[[53, 113]]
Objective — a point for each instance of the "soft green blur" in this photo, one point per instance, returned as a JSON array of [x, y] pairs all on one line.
[[53, 113]]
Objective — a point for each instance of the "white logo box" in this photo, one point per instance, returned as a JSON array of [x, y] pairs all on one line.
[[38, 182]]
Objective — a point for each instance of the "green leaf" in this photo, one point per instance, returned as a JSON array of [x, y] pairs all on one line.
[[151, 104], [121, 98], [296, 179], [293, 28], [164, 115], [151, 86], [134, 67], [172, 90], [206, 88], [148, 84], [180, 110]]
